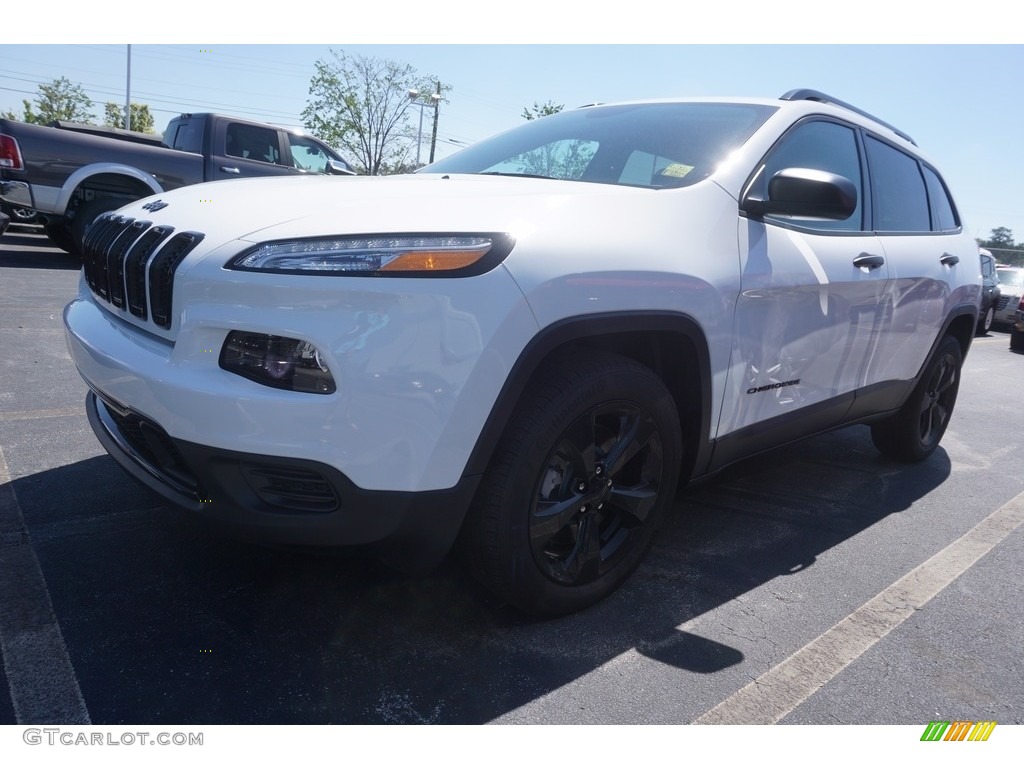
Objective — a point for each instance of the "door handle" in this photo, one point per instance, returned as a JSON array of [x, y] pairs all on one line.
[[228, 169], [868, 261], [949, 259]]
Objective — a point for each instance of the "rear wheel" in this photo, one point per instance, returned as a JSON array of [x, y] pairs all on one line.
[[1017, 340], [581, 478], [915, 431]]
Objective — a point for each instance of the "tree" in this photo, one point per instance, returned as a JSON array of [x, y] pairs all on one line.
[[142, 120], [542, 110], [1001, 237], [59, 100], [558, 160], [1003, 247], [360, 105]]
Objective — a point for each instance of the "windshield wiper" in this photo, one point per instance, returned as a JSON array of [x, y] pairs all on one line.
[[521, 175]]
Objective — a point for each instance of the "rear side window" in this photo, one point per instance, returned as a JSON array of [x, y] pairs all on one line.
[[943, 215], [901, 201]]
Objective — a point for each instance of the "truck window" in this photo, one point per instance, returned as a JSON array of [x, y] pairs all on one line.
[[252, 143], [307, 154], [186, 135]]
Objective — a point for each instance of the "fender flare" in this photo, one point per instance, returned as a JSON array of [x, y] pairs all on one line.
[[86, 172], [580, 329]]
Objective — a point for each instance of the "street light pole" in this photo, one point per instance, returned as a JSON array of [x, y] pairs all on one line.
[[434, 98]]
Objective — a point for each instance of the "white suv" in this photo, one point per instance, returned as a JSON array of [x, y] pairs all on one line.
[[529, 345]]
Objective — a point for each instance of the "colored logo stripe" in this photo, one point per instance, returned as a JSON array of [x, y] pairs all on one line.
[[982, 731], [959, 730]]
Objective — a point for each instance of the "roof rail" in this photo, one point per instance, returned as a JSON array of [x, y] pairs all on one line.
[[808, 94]]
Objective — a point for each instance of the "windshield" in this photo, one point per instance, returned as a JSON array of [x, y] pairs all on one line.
[[647, 145], [1011, 278]]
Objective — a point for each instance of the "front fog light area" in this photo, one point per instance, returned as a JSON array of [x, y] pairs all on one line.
[[277, 361]]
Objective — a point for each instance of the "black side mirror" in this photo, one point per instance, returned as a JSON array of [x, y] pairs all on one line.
[[806, 193]]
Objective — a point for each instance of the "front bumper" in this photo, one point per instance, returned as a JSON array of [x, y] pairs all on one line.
[[281, 499]]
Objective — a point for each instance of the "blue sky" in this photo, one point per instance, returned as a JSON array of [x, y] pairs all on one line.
[[961, 99]]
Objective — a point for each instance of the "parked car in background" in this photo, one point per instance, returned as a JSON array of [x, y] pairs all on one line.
[[1017, 333], [989, 291], [1011, 288], [67, 174]]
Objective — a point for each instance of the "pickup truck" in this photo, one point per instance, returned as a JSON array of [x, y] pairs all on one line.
[[70, 173]]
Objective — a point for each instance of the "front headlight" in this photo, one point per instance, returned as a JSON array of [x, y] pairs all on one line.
[[412, 255]]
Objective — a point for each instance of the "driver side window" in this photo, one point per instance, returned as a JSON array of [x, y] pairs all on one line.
[[822, 146]]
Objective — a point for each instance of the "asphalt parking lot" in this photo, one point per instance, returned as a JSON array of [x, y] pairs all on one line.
[[818, 584]]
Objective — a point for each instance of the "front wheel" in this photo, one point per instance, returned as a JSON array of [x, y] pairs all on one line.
[[1017, 340], [60, 236], [915, 431], [585, 471]]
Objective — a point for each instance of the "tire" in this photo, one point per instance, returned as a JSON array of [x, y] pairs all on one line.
[[985, 322], [1017, 340], [86, 214], [577, 486], [60, 236], [915, 431]]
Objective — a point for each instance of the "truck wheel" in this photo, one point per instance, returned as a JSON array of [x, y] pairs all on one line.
[[578, 484], [985, 323], [1017, 340], [86, 214], [60, 236], [915, 431]]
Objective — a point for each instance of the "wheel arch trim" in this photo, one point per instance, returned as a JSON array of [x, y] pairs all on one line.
[[86, 172], [584, 329]]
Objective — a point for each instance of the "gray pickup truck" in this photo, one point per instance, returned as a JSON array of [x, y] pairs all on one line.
[[69, 173]]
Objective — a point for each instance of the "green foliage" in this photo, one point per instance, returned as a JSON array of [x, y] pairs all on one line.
[[59, 100], [542, 110], [1003, 247], [361, 106], [142, 120]]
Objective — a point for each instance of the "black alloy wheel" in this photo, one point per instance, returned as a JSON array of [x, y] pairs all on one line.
[[586, 468], [915, 431], [597, 489]]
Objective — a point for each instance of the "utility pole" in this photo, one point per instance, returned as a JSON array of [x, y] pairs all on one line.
[[128, 94], [433, 137]]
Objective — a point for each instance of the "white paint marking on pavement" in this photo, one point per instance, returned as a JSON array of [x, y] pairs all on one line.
[[43, 685], [783, 688]]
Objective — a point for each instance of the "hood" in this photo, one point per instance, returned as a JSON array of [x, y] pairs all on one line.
[[276, 208]]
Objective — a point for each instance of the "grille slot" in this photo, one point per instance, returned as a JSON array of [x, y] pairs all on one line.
[[122, 257], [161, 274], [135, 268], [115, 260]]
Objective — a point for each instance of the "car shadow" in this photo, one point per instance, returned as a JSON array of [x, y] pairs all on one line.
[[26, 247], [166, 623]]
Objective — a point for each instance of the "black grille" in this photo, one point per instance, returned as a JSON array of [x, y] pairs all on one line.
[[119, 253], [1003, 301]]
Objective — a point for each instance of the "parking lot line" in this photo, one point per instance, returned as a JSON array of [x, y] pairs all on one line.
[[43, 685], [783, 688]]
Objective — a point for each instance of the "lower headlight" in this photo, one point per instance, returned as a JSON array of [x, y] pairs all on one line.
[[277, 361]]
